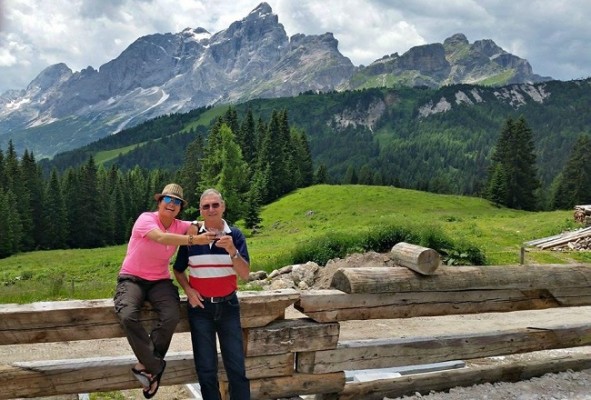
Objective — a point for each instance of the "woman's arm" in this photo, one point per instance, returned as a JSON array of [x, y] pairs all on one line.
[[175, 239]]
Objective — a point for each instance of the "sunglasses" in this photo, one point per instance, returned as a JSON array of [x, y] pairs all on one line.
[[174, 200], [212, 205]]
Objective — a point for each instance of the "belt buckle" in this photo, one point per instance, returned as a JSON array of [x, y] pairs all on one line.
[[215, 300]]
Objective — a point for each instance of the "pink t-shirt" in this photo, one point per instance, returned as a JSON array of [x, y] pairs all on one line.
[[148, 259]]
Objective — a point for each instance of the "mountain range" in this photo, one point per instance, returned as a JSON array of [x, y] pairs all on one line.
[[253, 58]]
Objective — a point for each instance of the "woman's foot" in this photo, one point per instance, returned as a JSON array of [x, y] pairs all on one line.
[[143, 376], [152, 389]]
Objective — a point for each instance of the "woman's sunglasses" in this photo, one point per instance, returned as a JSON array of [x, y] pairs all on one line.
[[174, 200]]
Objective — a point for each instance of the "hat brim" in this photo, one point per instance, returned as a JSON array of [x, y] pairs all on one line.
[[158, 196]]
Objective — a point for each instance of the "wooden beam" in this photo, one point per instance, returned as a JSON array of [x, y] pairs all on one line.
[[60, 321], [334, 305], [445, 278], [382, 353], [291, 336], [49, 378], [297, 384], [445, 380], [422, 260]]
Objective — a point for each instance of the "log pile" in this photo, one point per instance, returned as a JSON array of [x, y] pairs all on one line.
[[578, 240], [583, 215]]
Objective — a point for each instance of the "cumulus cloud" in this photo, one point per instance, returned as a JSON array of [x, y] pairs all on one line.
[[552, 35]]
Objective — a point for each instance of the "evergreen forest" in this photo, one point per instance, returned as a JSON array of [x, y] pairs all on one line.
[[531, 156], [252, 162]]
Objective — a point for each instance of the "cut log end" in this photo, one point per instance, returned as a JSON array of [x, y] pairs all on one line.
[[422, 260]]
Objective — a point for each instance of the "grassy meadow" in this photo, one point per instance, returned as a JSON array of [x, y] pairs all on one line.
[[316, 216]]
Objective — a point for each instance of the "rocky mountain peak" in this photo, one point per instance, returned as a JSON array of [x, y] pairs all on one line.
[[50, 76], [488, 48], [176, 72], [455, 40]]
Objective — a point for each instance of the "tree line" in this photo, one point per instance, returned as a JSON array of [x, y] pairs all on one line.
[[513, 178], [252, 162]]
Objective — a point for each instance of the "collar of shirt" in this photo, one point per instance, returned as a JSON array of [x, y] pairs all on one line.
[[227, 229]]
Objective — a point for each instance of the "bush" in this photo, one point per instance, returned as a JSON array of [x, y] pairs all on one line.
[[381, 240]]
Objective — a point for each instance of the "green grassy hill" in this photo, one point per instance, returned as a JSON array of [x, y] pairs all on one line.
[[313, 216]]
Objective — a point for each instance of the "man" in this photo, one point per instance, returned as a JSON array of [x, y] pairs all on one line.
[[213, 304]]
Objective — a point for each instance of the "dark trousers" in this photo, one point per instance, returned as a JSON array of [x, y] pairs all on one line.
[[224, 319], [149, 348]]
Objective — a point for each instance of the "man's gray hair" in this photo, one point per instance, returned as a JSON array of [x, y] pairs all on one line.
[[209, 192]]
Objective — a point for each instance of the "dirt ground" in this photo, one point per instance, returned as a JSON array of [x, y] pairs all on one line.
[[564, 386]]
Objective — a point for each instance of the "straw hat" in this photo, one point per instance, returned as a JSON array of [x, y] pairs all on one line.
[[172, 190]]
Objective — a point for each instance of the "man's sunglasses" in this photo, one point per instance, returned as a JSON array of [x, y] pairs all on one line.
[[174, 200], [206, 207]]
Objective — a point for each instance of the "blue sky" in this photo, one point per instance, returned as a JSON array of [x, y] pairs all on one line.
[[554, 36]]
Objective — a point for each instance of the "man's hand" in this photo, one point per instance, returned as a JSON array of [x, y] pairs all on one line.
[[227, 244], [194, 298]]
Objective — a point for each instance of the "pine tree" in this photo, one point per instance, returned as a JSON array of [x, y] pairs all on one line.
[[225, 170], [303, 155], [321, 175], [274, 156], [365, 175], [10, 225], [32, 181], [88, 216], [350, 177], [14, 175], [574, 184], [55, 215], [248, 139], [498, 186], [252, 217], [513, 180], [190, 174], [525, 181]]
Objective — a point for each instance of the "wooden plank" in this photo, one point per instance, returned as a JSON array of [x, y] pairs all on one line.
[[334, 305], [445, 278], [417, 258], [445, 380], [382, 353], [298, 384], [59, 321], [49, 378], [260, 308], [291, 335]]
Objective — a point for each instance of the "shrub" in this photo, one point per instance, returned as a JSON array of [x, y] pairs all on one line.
[[381, 240]]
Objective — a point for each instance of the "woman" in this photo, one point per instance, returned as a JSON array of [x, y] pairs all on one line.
[[145, 276]]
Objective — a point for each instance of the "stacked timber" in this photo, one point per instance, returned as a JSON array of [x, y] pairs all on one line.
[[579, 239], [583, 215]]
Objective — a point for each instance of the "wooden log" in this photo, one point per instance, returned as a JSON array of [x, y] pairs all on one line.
[[333, 305], [55, 377], [382, 353], [445, 278], [570, 237], [445, 380], [297, 384], [417, 258], [291, 336], [59, 321]]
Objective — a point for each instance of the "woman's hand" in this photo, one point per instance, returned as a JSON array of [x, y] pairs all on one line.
[[204, 238]]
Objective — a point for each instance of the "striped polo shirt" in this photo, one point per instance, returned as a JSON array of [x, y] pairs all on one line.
[[210, 267]]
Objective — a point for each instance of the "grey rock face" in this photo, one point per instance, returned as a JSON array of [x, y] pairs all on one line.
[[253, 58]]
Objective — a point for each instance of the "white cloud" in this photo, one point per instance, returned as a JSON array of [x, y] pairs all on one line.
[[553, 35]]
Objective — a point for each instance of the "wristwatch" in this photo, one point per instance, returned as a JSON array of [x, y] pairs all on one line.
[[235, 256]]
